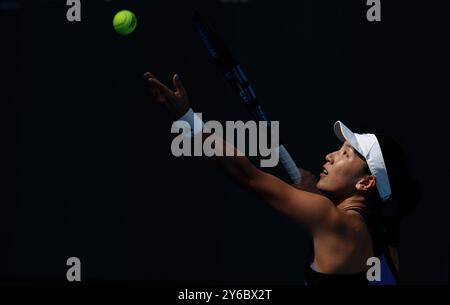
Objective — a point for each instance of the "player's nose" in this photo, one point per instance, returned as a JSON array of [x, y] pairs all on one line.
[[330, 158]]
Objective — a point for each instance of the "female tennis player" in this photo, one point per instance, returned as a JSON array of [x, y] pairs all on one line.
[[352, 212]]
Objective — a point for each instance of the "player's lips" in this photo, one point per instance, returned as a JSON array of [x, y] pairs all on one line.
[[324, 172]]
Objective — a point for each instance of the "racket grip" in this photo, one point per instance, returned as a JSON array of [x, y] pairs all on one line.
[[289, 165]]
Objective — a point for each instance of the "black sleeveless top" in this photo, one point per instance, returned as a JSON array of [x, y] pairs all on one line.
[[389, 274]]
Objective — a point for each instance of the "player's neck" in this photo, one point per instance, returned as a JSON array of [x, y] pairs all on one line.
[[354, 201]]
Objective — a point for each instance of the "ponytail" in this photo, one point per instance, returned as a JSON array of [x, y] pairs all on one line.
[[405, 195]]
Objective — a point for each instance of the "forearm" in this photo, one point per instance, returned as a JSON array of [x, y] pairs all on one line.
[[233, 162]]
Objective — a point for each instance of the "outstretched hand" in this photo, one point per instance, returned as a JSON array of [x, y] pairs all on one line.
[[176, 101]]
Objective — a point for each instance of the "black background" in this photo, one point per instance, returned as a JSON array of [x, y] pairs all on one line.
[[88, 168]]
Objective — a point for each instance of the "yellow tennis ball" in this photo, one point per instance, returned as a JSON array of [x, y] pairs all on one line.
[[124, 22]]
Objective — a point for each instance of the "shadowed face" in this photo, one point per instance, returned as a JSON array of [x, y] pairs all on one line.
[[344, 173]]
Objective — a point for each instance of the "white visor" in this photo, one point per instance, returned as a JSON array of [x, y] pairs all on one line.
[[367, 145]]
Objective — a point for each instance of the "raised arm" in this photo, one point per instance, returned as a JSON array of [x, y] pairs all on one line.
[[313, 210]]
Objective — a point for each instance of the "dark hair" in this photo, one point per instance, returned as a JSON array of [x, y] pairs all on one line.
[[406, 192]]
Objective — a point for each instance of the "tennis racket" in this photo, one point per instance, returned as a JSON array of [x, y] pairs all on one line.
[[235, 76]]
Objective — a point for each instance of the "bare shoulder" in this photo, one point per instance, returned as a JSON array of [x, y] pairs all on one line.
[[345, 245], [351, 222]]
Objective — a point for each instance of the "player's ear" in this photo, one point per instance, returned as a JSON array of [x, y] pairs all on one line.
[[366, 183]]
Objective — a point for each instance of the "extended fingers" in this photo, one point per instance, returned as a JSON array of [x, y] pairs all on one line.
[[179, 85], [156, 93], [148, 75], [161, 87], [157, 87]]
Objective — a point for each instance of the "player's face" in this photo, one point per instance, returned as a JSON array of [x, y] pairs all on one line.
[[342, 171]]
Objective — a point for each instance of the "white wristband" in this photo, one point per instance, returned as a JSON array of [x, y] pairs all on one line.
[[194, 121]]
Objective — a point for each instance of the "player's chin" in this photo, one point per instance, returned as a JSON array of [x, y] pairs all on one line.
[[319, 185], [322, 185]]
